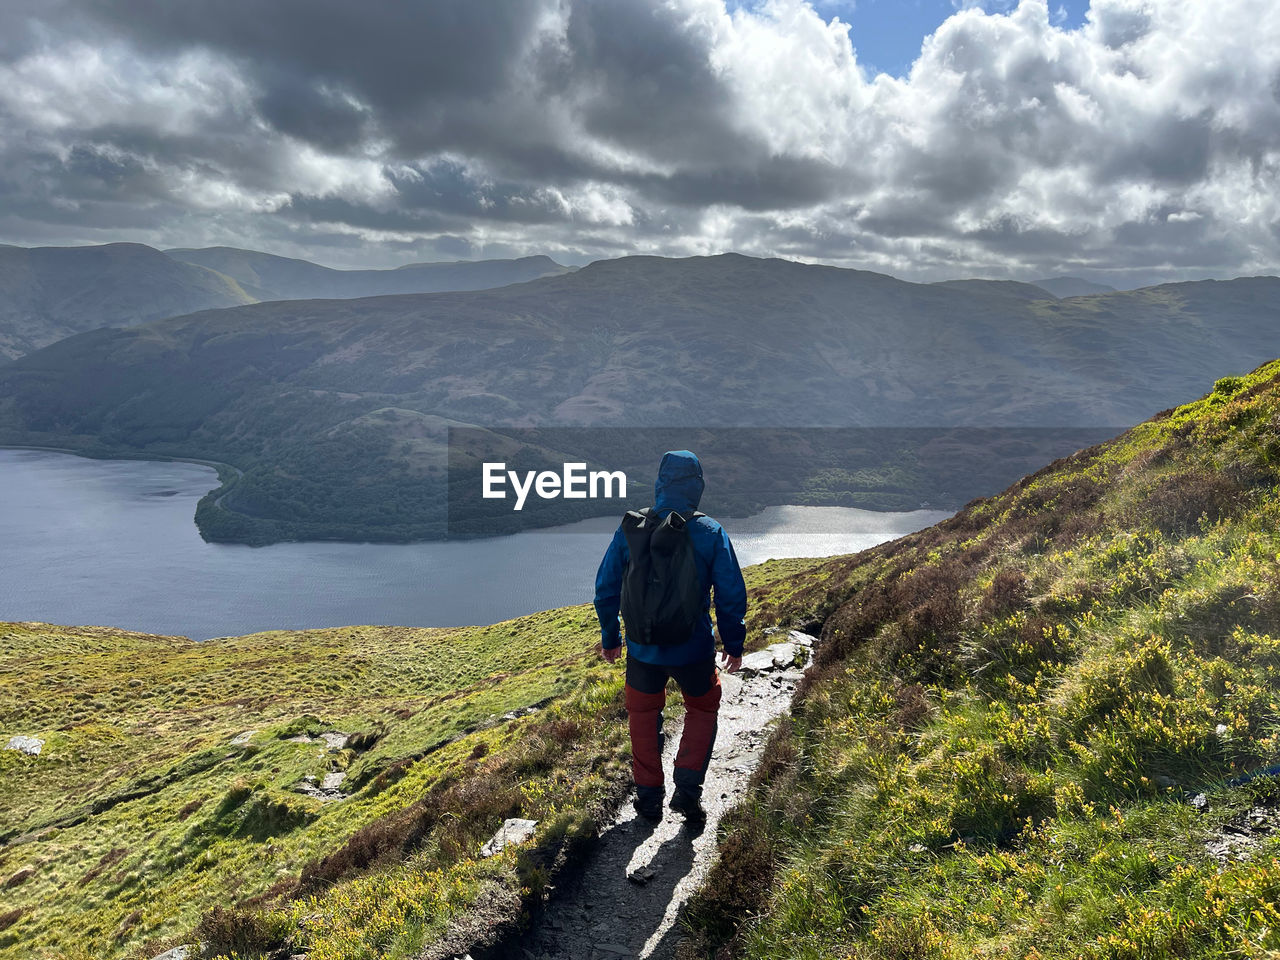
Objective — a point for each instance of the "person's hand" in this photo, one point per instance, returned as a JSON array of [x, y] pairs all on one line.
[[610, 654], [732, 664]]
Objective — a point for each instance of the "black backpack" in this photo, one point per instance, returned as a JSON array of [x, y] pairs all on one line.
[[661, 593]]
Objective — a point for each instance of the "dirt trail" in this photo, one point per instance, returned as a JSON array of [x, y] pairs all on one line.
[[627, 898]]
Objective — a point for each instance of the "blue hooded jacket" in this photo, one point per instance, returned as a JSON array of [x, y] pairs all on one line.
[[679, 487]]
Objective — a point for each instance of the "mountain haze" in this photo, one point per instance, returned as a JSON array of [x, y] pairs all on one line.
[[1009, 289], [337, 410], [269, 277], [48, 293], [1072, 287]]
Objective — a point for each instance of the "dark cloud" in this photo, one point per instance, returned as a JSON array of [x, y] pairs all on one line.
[[393, 55], [385, 131]]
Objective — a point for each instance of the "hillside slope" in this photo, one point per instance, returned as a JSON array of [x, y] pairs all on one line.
[[172, 786], [326, 789], [47, 293], [1047, 727], [336, 410]]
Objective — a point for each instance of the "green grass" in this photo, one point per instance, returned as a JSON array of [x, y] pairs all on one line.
[[140, 815], [144, 825], [1011, 711]]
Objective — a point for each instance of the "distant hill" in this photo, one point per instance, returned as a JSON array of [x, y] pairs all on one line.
[[337, 410], [999, 288], [48, 293], [269, 277], [1072, 287]]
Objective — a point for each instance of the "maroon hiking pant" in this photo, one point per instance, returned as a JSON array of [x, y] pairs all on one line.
[[646, 694]]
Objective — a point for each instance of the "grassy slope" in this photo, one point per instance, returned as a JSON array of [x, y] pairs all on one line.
[[140, 816], [218, 824], [995, 754]]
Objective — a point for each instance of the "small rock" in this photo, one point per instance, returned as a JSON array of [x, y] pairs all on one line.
[[335, 740], [300, 738], [778, 656], [177, 953], [642, 876], [512, 832], [28, 745], [1200, 802], [1222, 729], [240, 739], [330, 788]]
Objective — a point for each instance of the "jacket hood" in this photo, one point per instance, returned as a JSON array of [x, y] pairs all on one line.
[[679, 484]]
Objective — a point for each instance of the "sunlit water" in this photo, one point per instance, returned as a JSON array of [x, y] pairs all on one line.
[[114, 542]]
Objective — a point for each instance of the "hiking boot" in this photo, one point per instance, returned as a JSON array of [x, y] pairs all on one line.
[[650, 808], [688, 806]]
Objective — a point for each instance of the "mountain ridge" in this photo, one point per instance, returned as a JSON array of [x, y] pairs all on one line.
[[273, 277], [50, 293], [288, 391]]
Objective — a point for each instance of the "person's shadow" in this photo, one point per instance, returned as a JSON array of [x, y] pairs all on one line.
[[670, 864], [641, 906], [622, 912]]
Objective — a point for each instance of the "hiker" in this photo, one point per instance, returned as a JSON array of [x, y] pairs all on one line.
[[658, 573]]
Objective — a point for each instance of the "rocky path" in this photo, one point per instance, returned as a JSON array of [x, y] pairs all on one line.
[[626, 900]]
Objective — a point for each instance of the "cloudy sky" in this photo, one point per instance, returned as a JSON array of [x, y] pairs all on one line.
[[1123, 140]]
